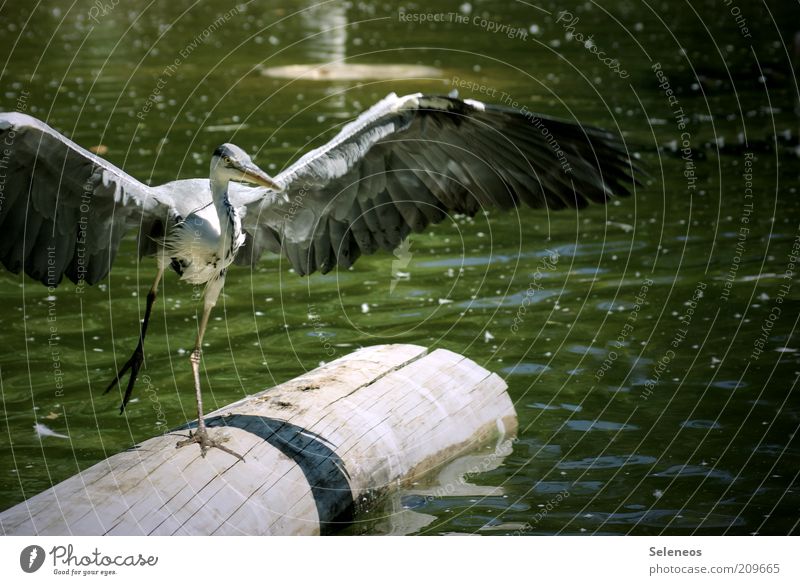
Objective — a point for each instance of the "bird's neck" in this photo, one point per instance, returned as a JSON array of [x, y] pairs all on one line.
[[219, 194]]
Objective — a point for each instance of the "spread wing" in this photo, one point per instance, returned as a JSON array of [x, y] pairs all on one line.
[[64, 210], [409, 161]]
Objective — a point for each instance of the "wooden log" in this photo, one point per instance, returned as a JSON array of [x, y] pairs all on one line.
[[317, 449]]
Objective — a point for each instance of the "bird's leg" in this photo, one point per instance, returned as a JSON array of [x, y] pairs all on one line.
[[200, 436], [135, 361]]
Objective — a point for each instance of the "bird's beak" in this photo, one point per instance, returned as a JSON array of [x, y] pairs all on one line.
[[254, 175]]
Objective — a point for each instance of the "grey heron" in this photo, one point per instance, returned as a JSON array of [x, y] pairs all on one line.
[[402, 165]]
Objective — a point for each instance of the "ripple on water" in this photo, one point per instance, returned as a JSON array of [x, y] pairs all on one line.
[[510, 300], [658, 517], [607, 462], [563, 405], [695, 471], [541, 406], [584, 349], [525, 369], [619, 306], [774, 449], [700, 424], [459, 260], [417, 501], [599, 425], [729, 384], [573, 487], [589, 271], [537, 449], [605, 247], [665, 517]]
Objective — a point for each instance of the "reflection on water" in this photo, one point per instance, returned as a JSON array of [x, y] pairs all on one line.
[[667, 428]]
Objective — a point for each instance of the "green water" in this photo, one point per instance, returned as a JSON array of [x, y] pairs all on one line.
[[648, 416]]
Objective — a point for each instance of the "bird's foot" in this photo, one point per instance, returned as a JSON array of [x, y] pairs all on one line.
[[200, 436], [133, 364]]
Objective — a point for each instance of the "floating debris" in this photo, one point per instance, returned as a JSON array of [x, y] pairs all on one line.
[[625, 227], [225, 128], [45, 431]]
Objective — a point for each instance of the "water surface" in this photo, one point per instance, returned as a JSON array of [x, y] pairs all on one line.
[[643, 405]]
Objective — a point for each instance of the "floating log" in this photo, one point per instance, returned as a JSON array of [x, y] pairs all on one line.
[[318, 449], [352, 72]]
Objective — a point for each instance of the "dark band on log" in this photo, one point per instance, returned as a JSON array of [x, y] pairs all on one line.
[[323, 468]]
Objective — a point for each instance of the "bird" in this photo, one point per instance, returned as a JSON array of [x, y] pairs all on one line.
[[405, 163]]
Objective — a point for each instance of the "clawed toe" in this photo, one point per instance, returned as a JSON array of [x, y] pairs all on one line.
[[133, 364], [201, 438]]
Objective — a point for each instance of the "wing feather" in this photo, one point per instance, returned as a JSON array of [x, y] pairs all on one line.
[[409, 161], [64, 210]]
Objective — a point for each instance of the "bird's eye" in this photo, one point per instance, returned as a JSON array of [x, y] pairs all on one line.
[[227, 160]]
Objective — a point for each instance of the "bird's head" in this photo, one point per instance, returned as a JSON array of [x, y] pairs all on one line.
[[231, 163]]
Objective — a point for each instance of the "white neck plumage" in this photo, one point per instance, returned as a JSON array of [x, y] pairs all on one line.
[[219, 194]]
